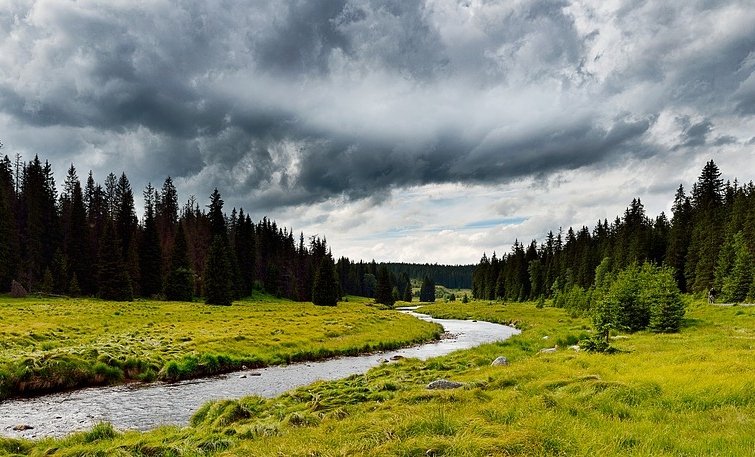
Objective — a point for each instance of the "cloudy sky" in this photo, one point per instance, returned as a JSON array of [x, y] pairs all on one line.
[[400, 130]]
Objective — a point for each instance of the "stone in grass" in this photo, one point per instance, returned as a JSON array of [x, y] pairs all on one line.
[[444, 384], [500, 362]]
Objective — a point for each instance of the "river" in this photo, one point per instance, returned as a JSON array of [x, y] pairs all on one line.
[[146, 406]]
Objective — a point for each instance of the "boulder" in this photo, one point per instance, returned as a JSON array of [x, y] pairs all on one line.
[[444, 384], [500, 361]]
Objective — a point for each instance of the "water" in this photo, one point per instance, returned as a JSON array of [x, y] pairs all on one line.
[[146, 406]]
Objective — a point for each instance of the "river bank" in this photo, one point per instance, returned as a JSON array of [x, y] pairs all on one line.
[[142, 407]]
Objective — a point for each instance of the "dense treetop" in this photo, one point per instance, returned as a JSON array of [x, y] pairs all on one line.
[[709, 243], [89, 241]]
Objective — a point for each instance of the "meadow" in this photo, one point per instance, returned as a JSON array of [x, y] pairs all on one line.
[[691, 393], [53, 344]]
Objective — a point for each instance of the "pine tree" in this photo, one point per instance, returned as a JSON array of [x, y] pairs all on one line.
[[150, 255], [179, 285], [124, 216], [427, 291], [736, 284], [679, 236], [707, 231], [384, 289], [245, 253], [325, 288], [9, 247], [407, 296], [218, 288], [665, 302], [114, 282]]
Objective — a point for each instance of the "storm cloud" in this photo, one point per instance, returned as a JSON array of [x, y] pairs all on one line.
[[298, 102]]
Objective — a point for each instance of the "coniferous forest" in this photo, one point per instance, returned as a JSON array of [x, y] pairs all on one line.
[[89, 241], [709, 243]]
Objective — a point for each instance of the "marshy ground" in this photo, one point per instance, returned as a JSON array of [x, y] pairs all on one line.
[[691, 393]]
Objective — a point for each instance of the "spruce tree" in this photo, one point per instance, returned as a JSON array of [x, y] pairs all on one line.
[[113, 279], [9, 246], [383, 288], [218, 288], [427, 291], [124, 217], [325, 288], [150, 256], [736, 284], [408, 292], [179, 286], [666, 306]]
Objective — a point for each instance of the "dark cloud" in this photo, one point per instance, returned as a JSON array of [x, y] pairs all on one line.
[[292, 102], [694, 134]]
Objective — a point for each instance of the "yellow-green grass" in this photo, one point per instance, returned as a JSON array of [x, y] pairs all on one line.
[[49, 344], [691, 393]]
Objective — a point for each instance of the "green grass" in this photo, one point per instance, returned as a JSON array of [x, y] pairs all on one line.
[[52, 344], [691, 393]]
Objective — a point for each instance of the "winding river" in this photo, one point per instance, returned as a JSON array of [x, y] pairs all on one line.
[[146, 406]]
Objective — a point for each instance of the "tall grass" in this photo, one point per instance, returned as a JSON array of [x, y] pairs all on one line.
[[690, 393], [52, 345]]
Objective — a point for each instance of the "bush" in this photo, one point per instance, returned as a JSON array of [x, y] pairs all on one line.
[[639, 298]]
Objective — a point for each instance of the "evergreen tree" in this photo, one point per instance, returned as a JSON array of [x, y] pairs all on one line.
[[150, 255], [114, 282], [707, 233], [179, 285], [76, 233], [244, 241], [218, 288], [9, 247], [384, 289], [736, 284], [166, 213], [427, 290], [679, 236], [325, 288], [124, 217], [665, 302], [407, 295]]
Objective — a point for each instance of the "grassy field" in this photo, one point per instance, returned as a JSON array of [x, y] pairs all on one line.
[[691, 393], [51, 344]]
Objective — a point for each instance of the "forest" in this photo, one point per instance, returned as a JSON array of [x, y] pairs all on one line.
[[708, 243], [89, 241]]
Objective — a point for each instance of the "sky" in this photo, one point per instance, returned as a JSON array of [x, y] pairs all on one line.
[[416, 131]]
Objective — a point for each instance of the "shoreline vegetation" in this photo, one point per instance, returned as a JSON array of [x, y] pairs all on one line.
[[560, 402], [49, 345]]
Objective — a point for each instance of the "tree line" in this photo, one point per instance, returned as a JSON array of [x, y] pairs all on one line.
[[89, 241], [708, 245]]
